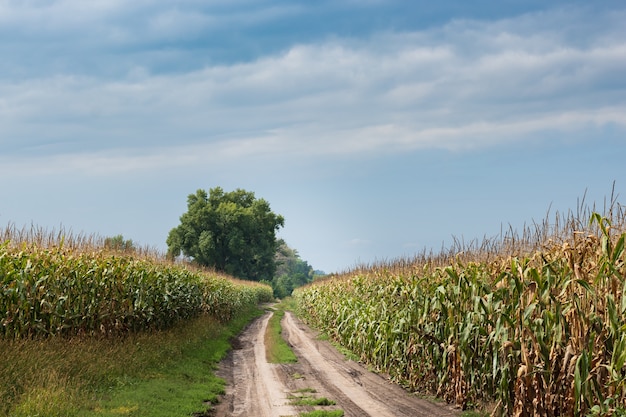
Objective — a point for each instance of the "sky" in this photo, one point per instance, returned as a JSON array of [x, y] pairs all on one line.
[[377, 128]]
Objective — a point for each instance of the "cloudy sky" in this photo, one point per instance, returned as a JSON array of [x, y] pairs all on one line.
[[377, 128]]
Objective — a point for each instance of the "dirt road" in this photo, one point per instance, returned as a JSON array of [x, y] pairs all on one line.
[[257, 388]]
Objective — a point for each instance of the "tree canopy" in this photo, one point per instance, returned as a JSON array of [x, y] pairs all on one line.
[[292, 271], [118, 243], [233, 232]]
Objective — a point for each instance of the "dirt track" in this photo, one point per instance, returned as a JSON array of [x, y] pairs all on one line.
[[260, 389]]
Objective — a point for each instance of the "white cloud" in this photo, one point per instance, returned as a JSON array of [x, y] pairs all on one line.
[[295, 143], [176, 23], [118, 22], [465, 85], [359, 242]]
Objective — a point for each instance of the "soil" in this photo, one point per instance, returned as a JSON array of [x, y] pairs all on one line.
[[256, 388]]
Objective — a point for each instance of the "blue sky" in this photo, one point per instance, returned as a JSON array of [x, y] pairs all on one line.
[[376, 128]]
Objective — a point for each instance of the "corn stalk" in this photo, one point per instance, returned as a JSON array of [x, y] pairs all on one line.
[[540, 334]]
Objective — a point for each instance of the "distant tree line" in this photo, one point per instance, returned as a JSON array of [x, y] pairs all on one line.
[[118, 243], [291, 272]]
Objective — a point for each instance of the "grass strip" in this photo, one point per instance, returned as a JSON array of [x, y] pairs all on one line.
[[312, 401], [323, 413], [160, 373], [276, 348]]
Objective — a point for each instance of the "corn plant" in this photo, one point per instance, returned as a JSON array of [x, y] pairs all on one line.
[[60, 290], [540, 333]]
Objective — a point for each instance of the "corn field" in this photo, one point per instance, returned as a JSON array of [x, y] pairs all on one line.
[[71, 287], [536, 328]]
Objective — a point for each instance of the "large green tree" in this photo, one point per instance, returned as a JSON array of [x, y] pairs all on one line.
[[233, 232]]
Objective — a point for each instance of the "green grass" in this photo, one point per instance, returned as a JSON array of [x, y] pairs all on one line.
[[306, 400], [154, 374], [306, 390], [276, 349], [289, 304], [323, 413]]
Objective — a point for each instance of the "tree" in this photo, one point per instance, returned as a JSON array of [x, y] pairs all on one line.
[[118, 243], [292, 272], [232, 232]]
